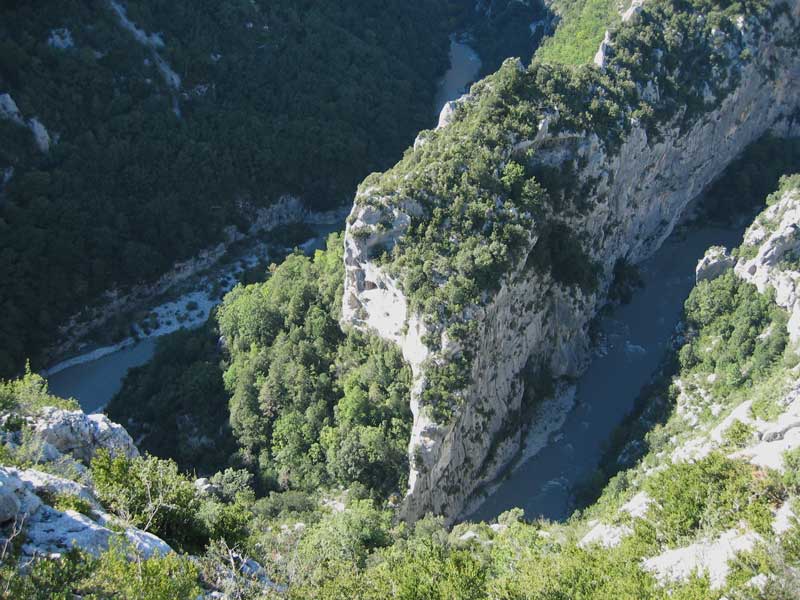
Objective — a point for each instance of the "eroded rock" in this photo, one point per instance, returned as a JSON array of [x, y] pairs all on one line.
[[82, 435]]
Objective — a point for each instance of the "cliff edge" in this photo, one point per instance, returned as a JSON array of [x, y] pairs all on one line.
[[486, 252]]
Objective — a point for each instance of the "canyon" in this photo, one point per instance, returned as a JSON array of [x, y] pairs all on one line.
[[638, 193]]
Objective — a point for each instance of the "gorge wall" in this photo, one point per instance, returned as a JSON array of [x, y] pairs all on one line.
[[632, 193]]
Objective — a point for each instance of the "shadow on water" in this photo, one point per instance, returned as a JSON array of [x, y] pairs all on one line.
[[624, 392]]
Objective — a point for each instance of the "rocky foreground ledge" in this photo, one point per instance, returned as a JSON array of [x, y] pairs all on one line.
[[616, 183], [760, 426], [66, 439], [50, 506]]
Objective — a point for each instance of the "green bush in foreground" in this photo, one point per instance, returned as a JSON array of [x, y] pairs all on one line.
[[151, 494], [117, 573]]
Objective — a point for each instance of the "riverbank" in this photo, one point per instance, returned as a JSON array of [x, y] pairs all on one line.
[[94, 376], [80, 334], [632, 341], [183, 298]]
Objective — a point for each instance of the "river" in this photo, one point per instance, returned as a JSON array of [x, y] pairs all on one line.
[[464, 67], [634, 339], [93, 378]]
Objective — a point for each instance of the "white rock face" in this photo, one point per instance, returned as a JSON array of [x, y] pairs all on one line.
[[448, 111], [154, 41], [639, 194], [633, 11], [82, 435], [716, 261], [40, 134], [607, 536], [776, 233], [710, 556], [9, 109], [47, 531], [605, 46], [60, 39]]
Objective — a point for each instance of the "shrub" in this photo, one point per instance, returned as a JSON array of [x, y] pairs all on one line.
[[711, 494], [150, 493]]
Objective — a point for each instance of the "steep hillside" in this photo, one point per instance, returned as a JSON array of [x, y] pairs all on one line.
[[706, 510], [132, 134], [487, 251]]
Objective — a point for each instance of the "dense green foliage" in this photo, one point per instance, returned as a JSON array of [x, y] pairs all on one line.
[[714, 493], [582, 25], [112, 575], [316, 409], [311, 404], [176, 405], [482, 195], [730, 317], [25, 396], [275, 98], [151, 494]]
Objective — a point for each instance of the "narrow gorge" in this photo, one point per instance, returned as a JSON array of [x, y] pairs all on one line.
[[676, 97], [552, 353]]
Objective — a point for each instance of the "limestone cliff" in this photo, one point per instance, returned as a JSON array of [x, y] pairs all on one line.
[[632, 191], [707, 419]]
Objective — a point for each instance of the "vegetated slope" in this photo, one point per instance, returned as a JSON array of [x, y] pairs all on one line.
[[120, 153], [581, 27], [503, 28], [312, 405], [706, 510], [491, 245]]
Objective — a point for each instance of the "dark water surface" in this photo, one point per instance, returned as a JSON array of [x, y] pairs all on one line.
[[635, 338]]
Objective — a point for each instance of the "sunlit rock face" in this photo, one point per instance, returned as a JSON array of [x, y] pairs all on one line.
[[639, 192]]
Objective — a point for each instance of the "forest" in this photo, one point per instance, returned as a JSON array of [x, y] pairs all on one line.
[[301, 427], [275, 98]]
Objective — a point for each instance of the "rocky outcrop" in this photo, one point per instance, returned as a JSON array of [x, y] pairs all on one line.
[[776, 235], [714, 263], [637, 194], [153, 41], [9, 110], [711, 556], [81, 435], [60, 39], [26, 511]]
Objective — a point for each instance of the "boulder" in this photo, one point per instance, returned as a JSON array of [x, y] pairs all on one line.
[[601, 55], [9, 505], [634, 10], [9, 109], [204, 487], [716, 261], [24, 496], [82, 435], [40, 134]]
